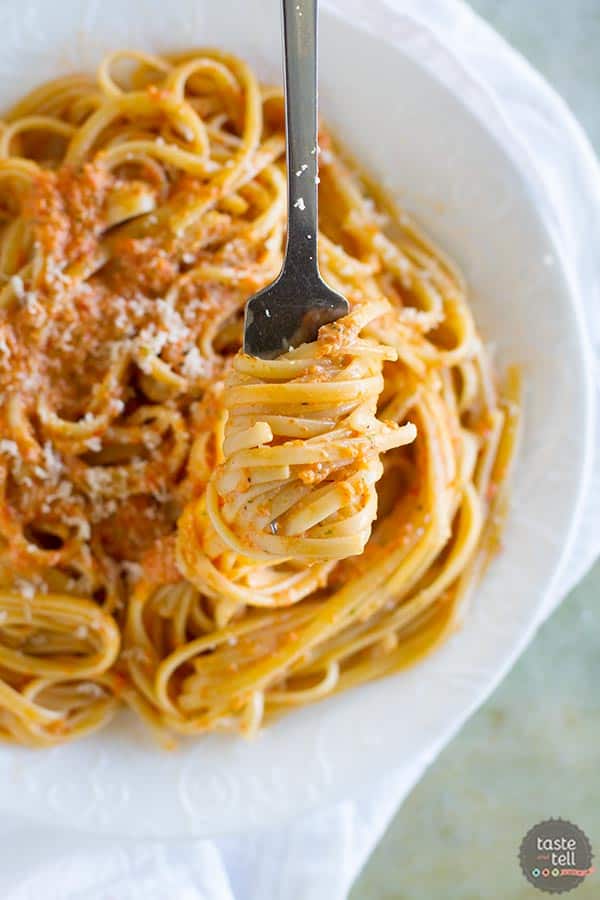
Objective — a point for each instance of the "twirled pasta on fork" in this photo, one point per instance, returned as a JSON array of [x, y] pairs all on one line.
[[303, 444]]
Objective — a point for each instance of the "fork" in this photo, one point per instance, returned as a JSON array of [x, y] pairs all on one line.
[[290, 310]]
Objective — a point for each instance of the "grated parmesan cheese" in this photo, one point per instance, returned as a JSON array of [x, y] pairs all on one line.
[[193, 364], [10, 448], [172, 321], [81, 524], [102, 509], [98, 479], [5, 352], [16, 283], [151, 439], [64, 491], [132, 570], [26, 588], [94, 444]]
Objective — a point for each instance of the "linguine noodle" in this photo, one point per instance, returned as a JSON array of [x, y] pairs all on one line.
[[208, 538]]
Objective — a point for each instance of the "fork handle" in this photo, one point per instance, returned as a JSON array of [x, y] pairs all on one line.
[[300, 75]]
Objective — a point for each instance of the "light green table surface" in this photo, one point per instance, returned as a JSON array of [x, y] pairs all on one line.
[[533, 750]]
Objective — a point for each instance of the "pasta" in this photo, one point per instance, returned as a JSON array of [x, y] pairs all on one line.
[[302, 447], [207, 538]]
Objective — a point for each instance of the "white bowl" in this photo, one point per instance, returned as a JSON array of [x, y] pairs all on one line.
[[440, 162]]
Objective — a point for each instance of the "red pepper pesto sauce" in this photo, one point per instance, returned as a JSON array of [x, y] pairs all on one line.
[[61, 338]]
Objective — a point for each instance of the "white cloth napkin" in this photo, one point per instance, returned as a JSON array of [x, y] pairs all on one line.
[[318, 856]]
